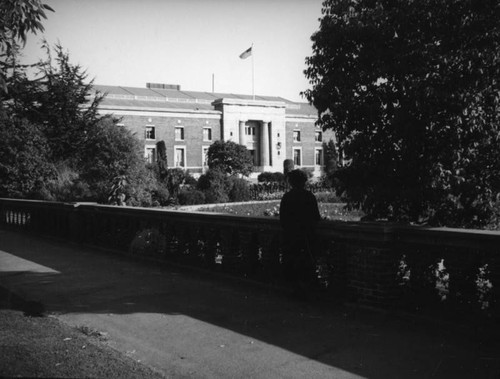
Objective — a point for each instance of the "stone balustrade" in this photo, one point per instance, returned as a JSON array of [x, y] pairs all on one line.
[[385, 265]]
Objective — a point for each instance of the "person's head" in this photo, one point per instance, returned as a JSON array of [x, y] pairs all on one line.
[[297, 178]]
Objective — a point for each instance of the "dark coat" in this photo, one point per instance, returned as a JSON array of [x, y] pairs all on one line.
[[299, 215]]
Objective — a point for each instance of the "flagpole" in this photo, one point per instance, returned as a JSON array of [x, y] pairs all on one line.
[[253, 81]]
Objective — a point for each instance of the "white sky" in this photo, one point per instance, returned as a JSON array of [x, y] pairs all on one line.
[[132, 42]]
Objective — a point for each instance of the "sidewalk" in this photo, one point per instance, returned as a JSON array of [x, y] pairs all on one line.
[[199, 326]]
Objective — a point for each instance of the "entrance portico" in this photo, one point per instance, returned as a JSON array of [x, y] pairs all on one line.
[[258, 125]]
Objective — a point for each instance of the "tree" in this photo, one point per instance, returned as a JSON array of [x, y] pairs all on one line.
[[63, 101], [411, 90], [17, 19], [24, 166], [110, 151], [230, 158], [161, 160], [87, 150]]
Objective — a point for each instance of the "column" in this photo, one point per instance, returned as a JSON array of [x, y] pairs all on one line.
[[242, 132], [264, 147]]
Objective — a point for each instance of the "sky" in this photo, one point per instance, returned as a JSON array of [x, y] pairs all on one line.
[[186, 42]]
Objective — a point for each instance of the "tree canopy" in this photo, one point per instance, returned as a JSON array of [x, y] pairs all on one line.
[[17, 19], [230, 158], [412, 91]]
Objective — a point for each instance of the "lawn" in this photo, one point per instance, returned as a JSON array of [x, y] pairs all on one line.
[[329, 211]]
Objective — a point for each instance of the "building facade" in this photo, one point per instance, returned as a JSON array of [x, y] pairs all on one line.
[[272, 128]]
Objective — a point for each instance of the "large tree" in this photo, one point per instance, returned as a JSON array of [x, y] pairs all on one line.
[[63, 101], [18, 18], [412, 91]]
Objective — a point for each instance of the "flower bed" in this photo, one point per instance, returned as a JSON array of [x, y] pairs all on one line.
[[329, 211]]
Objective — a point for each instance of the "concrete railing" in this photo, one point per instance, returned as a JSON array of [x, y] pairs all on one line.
[[375, 264]]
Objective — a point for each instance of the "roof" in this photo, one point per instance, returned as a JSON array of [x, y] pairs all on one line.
[[159, 98]]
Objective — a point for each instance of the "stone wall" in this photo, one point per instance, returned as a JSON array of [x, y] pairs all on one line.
[[422, 270]]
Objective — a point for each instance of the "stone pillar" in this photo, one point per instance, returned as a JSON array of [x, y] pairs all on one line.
[[264, 144], [242, 132]]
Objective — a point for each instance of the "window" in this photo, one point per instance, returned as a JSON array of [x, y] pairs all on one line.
[[179, 133], [250, 130], [150, 132], [207, 134], [318, 136], [296, 136], [318, 157], [150, 154], [180, 157], [297, 159]]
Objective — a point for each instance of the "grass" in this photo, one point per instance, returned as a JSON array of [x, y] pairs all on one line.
[[328, 211]]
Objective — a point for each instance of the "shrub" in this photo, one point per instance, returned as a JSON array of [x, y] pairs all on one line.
[[191, 197], [240, 190], [215, 186], [271, 177], [190, 180], [161, 196]]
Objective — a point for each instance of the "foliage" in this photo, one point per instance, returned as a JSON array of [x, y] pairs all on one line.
[[88, 150], [59, 100], [23, 158], [66, 186], [175, 178], [17, 19], [411, 90], [214, 185], [161, 196], [239, 189], [230, 158], [328, 211], [331, 157], [141, 187], [191, 197], [117, 195], [271, 177], [161, 160], [190, 180]]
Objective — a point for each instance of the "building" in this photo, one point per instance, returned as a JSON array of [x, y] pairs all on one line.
[[272, 128]]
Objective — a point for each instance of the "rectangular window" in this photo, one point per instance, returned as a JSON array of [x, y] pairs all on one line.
[[207, 134], [150, 154], [318, 136], [318, 157], [296, 136], [150, 132], [297, 157], [179, 134], [180, 157], [250, 130]]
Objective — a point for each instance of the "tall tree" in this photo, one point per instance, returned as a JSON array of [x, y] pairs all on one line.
[[63, 101], [17, 19], [412, 90]]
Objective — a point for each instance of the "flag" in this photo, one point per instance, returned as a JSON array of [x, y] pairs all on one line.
[[246, 53]]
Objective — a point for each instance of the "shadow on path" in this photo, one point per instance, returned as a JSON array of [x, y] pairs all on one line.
[[213, 313]]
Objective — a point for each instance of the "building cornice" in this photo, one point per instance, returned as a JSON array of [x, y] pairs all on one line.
[[249, 103]]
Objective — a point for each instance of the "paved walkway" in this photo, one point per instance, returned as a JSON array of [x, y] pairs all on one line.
[[199, 326]]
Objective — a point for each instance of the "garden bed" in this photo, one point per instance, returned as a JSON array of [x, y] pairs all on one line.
[[329, 211]]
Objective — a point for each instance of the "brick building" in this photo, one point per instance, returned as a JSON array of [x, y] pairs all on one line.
[[272, 128]]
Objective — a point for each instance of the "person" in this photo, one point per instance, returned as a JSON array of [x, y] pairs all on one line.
[[299, 216]]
